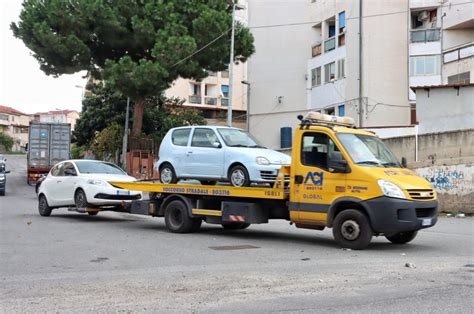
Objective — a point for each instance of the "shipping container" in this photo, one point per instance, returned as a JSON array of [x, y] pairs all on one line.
[[48, 144]]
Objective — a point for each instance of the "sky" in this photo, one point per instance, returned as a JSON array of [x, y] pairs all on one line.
[[23, 85]]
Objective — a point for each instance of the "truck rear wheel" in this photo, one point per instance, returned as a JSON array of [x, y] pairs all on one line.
[[177, 218], [402, 237], [352, 229], [235, 225]]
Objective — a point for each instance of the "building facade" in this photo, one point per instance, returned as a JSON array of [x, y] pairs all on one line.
[[58, 116], [15, 124]]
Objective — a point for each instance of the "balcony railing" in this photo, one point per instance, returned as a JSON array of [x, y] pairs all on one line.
[[425, 35], [195, 99], [330, 44], [224, 102], [210, 101], [316, 50]]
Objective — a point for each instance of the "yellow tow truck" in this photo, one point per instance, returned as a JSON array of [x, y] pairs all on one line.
[[340, 177]]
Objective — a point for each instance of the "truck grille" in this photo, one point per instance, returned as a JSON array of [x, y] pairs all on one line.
[[271, 176], [422, 194]]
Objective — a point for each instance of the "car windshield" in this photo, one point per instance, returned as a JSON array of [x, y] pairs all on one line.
[[85, 166], [238, 138], [368, 150]]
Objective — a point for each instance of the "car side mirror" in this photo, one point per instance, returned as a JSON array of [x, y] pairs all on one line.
[[6, 171], [216, 145], [404, 162]]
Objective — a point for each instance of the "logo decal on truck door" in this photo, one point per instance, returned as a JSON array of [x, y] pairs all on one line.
[[316, 178]]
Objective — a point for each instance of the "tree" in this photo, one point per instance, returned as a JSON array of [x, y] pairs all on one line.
[[105, 107], [139, 47], [7, 141]]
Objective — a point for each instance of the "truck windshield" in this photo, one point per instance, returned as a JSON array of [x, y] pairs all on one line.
[[368, 150], [238, 138]]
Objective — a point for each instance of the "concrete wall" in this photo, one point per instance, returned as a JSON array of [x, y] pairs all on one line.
[[447, 161], [445, 109]]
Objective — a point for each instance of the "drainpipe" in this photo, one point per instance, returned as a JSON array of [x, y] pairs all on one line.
[[360, 65], [416, 142]]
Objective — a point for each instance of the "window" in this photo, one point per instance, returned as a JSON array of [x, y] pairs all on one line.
[[341, 111], [315, 150], [196, 89], [204, 138], [342, 21], [69, 166], [412, 114], [4, 117], [316, 77], [461, 78], [86, 166], [331, 111], [57, 170], [425, 65], [329, 72], [225, 90], [341, 72], [180, 137]]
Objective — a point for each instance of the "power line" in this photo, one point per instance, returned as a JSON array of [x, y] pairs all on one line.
[[202, 48]]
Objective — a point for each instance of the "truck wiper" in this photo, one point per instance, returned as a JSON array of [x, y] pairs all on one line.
[[390, 164], [257, 146], [369, 162], [237, 145]]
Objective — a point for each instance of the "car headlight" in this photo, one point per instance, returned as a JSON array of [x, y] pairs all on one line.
[[262, 161], [96, 182], [390, 189]]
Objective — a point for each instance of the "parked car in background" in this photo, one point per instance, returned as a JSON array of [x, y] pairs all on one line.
[[3, 181], [83, 184], [217, 153], [3, 163]]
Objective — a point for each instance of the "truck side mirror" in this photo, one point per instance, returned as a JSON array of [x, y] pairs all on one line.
[[337, 163], [404, 162]]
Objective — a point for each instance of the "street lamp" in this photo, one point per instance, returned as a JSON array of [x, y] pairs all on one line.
[[248, 104], [235, 6]]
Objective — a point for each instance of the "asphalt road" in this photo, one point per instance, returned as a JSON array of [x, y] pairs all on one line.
[[112, 262]]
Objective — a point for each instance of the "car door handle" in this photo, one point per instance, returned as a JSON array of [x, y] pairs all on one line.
[[59, 181], [190, 152]]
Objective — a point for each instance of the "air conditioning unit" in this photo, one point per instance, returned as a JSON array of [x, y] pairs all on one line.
[[423, 16]]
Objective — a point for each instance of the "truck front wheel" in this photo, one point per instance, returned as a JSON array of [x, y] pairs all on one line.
[[352, 229], [177, 219], [402, 237]]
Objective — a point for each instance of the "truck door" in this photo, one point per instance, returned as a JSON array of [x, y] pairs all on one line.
[[316, 185]]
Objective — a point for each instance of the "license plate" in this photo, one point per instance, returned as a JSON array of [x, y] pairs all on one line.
[[123, 192], [426, 222]]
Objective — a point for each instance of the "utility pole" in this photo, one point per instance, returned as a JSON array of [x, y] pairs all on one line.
[[235, 6], [231, 68], [125, 137], [248, 104]]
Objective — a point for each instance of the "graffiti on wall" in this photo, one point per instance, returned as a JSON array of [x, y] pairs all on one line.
[[450, 179]]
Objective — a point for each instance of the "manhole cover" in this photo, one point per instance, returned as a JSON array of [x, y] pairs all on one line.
[[233, 247]]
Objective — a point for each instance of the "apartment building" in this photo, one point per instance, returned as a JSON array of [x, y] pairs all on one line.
[[58, 116], [15, 124], [441, 44], [211, 95], [330, 61]]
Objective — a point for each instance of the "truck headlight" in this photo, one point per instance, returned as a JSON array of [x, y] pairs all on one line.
[[262, 161], [390, 189], [96, 182]]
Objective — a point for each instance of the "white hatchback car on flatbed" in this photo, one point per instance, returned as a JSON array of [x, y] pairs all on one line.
[[83, 184], [217, 153]]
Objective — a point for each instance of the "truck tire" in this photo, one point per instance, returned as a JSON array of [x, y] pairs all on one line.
[[235, 225], [402, 237], [177, 218], [239, 176], [351, 229], [167, 174], [2, 192], [43, 207]]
